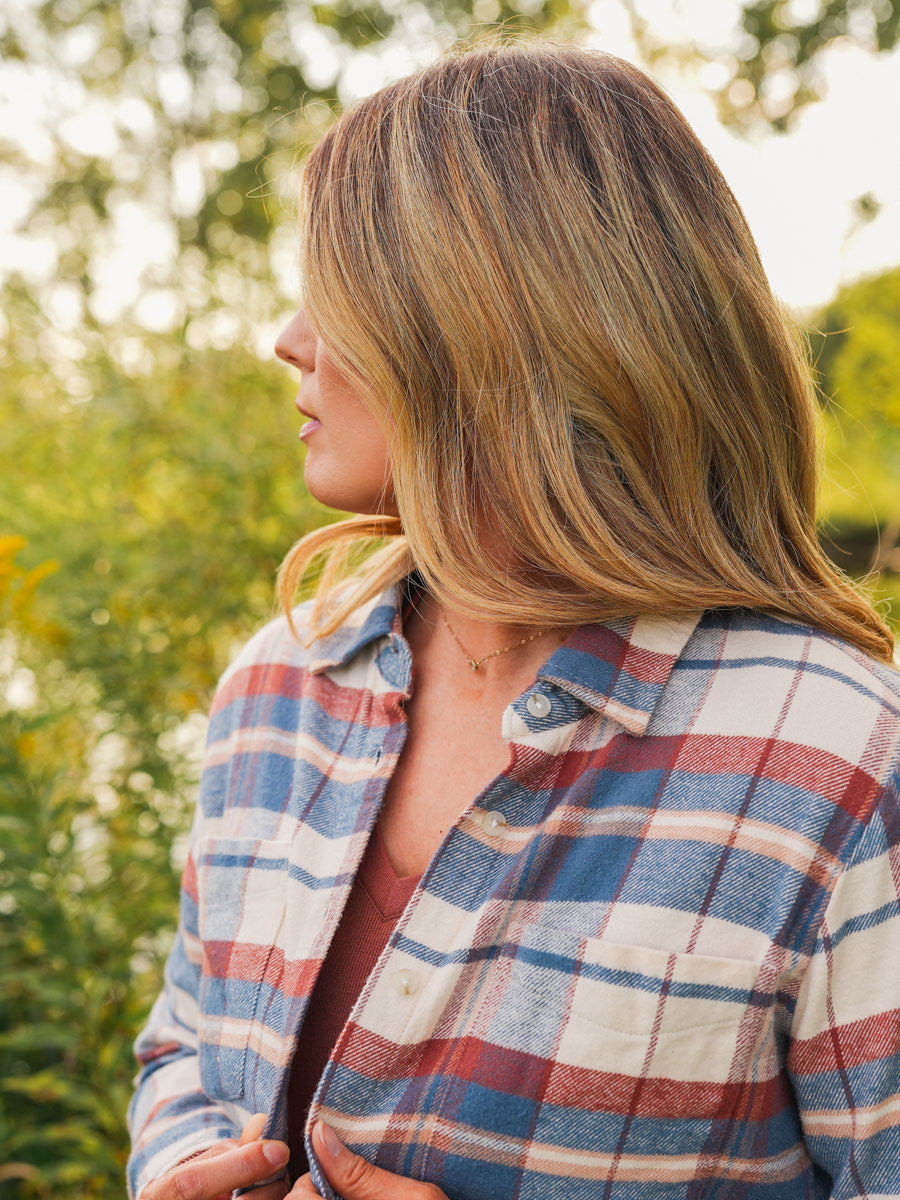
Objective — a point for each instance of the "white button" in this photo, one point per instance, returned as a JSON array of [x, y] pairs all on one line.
[[406, 982], [538, 705], [493, 821]]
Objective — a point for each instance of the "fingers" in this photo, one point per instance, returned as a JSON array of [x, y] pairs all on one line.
[[253, 1129], [304, 1189], [218, 1148], [269, 1191], [206, 1178]]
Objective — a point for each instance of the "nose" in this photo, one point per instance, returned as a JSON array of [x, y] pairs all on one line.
[[294, 344]]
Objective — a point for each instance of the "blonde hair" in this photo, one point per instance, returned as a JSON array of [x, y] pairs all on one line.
[[535, 273]]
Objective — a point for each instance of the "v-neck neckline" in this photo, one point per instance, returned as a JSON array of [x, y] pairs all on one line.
[[387, 890], [386, 859]]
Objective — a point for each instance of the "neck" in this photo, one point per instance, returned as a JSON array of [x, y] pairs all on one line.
[[426, 628]]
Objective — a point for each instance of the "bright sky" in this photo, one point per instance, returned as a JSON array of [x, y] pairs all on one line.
[[797, 190]]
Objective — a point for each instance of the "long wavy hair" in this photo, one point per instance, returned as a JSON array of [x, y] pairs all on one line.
[[539, 279]]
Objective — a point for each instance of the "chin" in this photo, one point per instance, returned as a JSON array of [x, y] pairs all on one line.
[[334, 493]]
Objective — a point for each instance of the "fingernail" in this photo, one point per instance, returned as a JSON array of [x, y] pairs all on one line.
[[332, 1144], [276, 1153]]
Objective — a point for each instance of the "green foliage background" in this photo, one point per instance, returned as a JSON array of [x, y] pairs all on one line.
[[143, 514]]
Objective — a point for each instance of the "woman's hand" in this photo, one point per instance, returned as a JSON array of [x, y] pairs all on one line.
[[355, 1178], [214, 1174]]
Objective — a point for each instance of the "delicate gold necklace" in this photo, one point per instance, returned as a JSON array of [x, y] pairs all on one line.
[[474, 662]]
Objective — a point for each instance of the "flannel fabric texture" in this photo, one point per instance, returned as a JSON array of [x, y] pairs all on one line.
[[657, 956]]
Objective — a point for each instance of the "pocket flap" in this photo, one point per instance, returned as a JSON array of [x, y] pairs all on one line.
[[620, 985]]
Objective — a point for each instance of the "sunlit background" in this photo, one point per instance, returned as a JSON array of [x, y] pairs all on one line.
[[151, 473], [162, 121]]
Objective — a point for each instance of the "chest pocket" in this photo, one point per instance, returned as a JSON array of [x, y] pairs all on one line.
[[638, 1011], [242, 896]]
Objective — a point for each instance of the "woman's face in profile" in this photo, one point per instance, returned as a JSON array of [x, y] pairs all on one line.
[[347, 465]]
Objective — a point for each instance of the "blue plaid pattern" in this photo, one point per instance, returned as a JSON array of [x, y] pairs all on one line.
[[671, 969]]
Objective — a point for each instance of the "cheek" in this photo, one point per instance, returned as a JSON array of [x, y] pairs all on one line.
[[355, 435], [334, 386], [355, 447]]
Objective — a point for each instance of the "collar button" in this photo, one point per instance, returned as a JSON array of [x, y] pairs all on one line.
[[538, 704]]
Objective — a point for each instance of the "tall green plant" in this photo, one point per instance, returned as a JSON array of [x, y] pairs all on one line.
[[166, 503], [66, 925]]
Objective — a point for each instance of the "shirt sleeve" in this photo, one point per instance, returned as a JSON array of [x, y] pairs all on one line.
[[169, 1116], [843, 1056]]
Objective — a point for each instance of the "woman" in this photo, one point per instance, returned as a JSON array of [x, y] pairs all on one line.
[[546, 850]]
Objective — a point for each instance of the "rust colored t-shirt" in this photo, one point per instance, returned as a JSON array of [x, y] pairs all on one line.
[[375, 902]]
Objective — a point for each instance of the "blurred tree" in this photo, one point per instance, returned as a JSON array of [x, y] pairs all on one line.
[[779, 74], [168, 500], [158, 141], [73, 908], [855, 344], [773, 70], [155, 148]]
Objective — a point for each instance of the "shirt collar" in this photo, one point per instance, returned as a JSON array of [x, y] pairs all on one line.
[[617, 667]]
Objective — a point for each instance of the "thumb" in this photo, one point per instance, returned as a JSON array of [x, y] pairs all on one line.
[[253, 1129], [353, 1176]]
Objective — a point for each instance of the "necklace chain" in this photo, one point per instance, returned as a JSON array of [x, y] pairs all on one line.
[[474, 663]]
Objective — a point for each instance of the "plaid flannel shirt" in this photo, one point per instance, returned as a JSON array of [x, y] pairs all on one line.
[[658, 955]]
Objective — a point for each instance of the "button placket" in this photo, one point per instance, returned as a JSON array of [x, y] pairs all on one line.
[[404, 982]]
